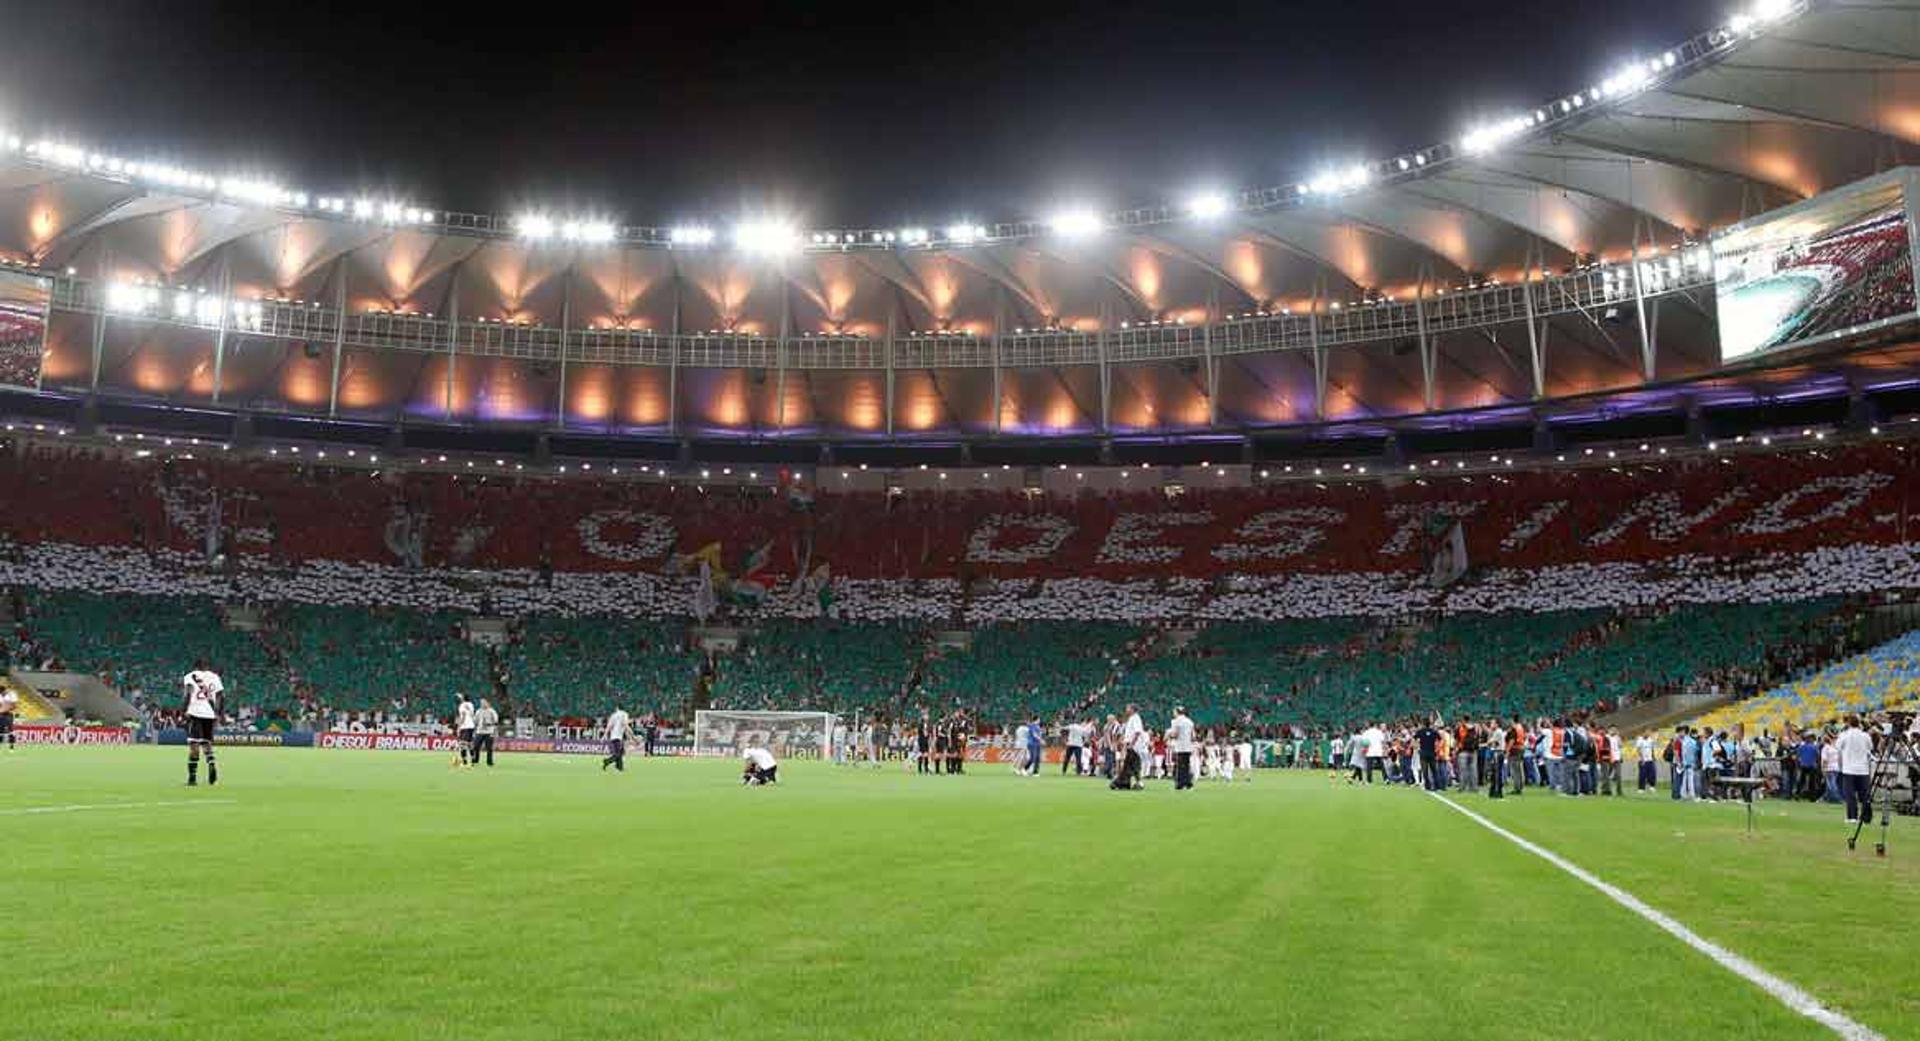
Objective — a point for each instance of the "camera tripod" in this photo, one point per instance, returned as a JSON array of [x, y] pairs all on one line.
[[1900, 752]]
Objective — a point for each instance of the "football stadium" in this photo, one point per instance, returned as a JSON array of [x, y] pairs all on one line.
[[1462, 591]]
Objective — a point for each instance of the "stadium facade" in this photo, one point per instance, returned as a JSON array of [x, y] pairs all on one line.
[[1551, 269]]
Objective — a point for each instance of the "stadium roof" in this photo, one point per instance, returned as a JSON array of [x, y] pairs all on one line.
[[1076, 323]]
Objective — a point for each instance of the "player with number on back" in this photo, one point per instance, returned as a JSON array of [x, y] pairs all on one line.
[[203, 692]]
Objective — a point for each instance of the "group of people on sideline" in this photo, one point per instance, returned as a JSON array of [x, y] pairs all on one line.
[[1505, 757], [1576, 756], [1833, 764]]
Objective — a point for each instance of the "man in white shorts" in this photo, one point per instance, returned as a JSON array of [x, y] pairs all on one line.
[[203, 689]]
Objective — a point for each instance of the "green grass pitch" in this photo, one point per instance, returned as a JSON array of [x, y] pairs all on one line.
[[319, 894]]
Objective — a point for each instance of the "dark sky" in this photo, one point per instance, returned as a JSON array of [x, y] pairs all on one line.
[[855, 115]]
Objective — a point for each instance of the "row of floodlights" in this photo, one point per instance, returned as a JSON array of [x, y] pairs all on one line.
[[779, 237], [253, 191], [186, 305]]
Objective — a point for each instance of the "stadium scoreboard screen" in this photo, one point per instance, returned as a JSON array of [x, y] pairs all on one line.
[[1838, 264], [24, 300]]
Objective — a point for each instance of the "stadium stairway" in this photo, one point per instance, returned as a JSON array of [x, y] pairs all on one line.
[[1661, 712], [34, 708]]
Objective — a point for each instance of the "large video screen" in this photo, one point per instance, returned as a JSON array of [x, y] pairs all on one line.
[[1833, 264], [23, 328]]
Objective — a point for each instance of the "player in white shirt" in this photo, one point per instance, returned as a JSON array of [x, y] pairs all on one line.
[[9, 704], [1180, 747], [761, 767], [1243, 759], [463, 729], [202, 689], [486, 719], [619, 724]]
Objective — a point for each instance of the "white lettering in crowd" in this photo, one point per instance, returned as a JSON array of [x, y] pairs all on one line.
[[1774, 519], [1412, 518], [647, 536], [1535, 523], [1133, 537], [1665, 518], [1285, 533], [1047, 533]]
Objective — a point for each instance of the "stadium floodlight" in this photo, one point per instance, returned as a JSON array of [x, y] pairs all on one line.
[[1492, 135], [363, 209], [1208, 205], [769, 238], [589, 231], [1771, 10], [259, 193], [534, 226], [1078, 222], [691, 235], [913, 236], [965, 234], [131, 298]]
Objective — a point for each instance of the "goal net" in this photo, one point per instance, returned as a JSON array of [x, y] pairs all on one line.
[[788, 735]]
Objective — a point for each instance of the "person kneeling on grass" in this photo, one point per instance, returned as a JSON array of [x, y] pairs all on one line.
[[761, 767]]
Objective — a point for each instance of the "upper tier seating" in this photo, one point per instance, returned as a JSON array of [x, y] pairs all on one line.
[[1654, 510]]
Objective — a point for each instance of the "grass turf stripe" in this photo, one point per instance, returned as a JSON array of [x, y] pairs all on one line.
[[1786, 993]]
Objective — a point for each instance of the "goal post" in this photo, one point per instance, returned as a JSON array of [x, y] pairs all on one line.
[[788, 735]]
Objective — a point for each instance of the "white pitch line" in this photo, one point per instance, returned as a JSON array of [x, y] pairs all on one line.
[[80, 807], [1789, 995]]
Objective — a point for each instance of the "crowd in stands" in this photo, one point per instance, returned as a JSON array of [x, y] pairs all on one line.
[[578, 669], [1882, 677], [822, 665], [1865, 273], [1742, 509], [1308, 607]]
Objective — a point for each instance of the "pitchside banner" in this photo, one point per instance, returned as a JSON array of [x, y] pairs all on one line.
[[1838, 264], [982, 751], [243, 738], [447, 743], [74, 735]]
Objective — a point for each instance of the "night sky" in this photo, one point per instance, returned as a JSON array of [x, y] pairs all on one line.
[[851, 115]]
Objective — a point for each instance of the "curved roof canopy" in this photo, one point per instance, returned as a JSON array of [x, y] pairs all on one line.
[[1736, 124]]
